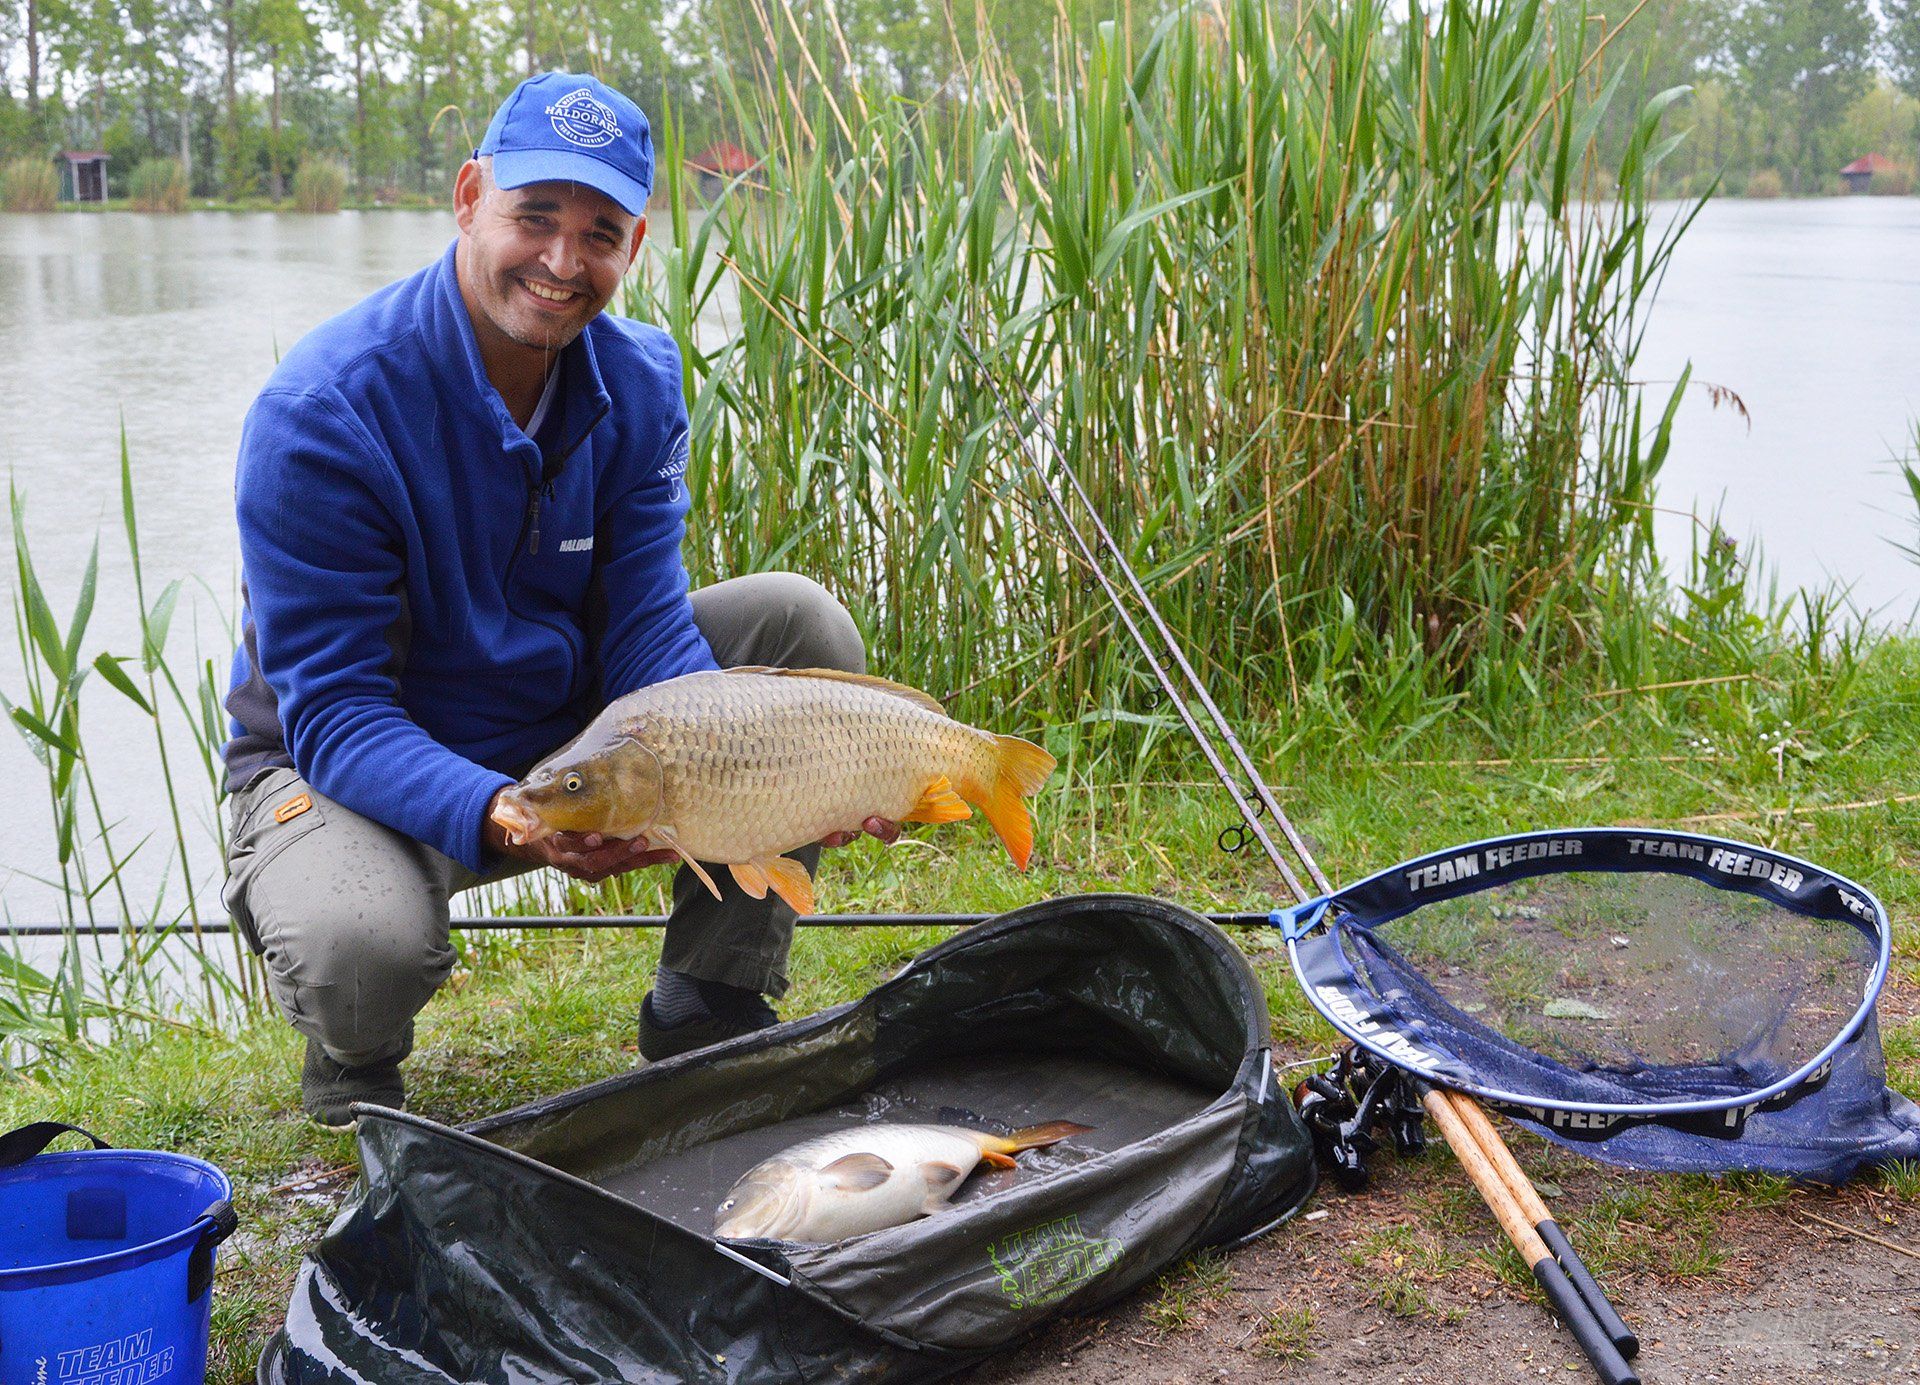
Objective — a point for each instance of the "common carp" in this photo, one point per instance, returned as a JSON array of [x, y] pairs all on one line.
[[741, 766], [866, 1178]]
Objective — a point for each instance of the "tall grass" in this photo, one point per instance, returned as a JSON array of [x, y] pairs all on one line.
[[95, 992], [1326, 308], [319, 185], [158, 185], [29, 185]]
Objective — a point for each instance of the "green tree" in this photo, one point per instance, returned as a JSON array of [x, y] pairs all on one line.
[[89, 47], [1903, 43], [1672, 43], [361, 26], [1807, 60], [287, 40], [1902, 52]]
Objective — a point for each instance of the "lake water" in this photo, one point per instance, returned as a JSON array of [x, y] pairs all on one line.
[[1809, 310]]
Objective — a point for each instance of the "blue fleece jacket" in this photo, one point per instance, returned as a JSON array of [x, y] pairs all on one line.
[[434, 600]]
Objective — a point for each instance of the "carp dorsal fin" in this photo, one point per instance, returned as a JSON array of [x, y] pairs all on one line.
[[839, 675], [857, 1172]]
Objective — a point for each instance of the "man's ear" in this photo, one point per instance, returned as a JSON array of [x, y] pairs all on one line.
[[468, 185], [639, 234]]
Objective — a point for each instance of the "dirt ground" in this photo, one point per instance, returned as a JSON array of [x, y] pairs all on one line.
[[1776, 1296]]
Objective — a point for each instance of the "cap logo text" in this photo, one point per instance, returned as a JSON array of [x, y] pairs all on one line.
[[579, 119]]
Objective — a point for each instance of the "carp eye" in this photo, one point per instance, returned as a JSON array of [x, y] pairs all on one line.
[[572, 783]]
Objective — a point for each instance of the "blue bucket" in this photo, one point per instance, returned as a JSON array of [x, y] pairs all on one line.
[[106, 1262]]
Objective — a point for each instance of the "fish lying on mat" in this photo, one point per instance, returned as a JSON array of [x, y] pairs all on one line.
[[867, 1178], [741, 766]]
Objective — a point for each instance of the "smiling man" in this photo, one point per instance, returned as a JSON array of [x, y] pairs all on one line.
[[461, 506]]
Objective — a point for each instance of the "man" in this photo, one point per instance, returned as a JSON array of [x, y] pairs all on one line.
[[461, 506]]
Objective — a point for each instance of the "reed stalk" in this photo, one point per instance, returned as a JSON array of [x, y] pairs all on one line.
[[1326, 308]]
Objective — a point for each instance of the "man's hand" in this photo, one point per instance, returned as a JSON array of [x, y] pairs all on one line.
[[590, 857], [883, 828], [585, 856]]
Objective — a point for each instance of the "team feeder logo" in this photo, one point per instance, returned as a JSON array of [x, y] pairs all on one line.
[[579, 119]]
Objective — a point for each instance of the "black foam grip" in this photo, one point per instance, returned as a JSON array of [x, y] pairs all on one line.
[[1589, 1289], [1605, 1357]]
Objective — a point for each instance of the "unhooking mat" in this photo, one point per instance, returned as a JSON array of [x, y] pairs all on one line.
[[571, 1239]]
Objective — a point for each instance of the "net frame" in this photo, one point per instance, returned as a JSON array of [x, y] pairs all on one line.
[[1382, 1024]]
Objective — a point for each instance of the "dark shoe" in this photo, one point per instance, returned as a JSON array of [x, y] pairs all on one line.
[[329, 1089], [742, 1013]]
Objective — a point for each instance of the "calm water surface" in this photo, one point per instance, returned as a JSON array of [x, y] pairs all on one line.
[[1809, 310]]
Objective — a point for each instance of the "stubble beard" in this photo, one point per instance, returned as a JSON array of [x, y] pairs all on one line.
[[556, 337]]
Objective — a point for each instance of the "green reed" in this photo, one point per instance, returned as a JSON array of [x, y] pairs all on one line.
[[1327, 311], [90, 994]]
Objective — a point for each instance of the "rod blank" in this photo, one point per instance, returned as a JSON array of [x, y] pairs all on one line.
[[490, 923]]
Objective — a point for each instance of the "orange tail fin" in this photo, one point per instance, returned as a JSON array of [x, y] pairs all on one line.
[[1019, 769], [1033, 1137]]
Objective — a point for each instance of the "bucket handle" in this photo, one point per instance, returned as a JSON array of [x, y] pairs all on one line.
[[18, 1146], [221, 1223]]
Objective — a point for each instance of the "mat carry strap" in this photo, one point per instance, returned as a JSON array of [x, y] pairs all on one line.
[[18, 1146]]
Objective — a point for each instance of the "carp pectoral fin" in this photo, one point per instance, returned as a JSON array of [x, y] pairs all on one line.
[[857, 1172], [938, 1175], [787, 878], [942, 1180], [665, 838], [994, 1159], [939, 804], [749, 878]]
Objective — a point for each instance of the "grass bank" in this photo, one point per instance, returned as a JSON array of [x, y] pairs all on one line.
[[529, 1015]]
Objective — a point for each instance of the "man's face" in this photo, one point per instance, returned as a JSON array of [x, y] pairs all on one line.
[[539, 262]]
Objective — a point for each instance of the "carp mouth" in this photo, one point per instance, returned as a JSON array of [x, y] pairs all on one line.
[[519, 822]]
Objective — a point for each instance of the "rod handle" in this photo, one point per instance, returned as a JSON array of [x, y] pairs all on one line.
[[1611, 1322], [1595, 1345]]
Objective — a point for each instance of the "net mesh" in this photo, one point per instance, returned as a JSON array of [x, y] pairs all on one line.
[[1626, 977]]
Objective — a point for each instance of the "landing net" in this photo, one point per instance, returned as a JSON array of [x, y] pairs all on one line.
[[1600, 979]]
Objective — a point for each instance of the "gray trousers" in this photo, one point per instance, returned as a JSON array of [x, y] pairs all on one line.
[[351, 917]]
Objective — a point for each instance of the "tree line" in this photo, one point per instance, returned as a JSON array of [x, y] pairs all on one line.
[[397, 92], [241, 92], [1784, 92]]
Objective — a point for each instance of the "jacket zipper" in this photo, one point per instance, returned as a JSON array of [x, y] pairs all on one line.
[[530, 525], [550, 469]]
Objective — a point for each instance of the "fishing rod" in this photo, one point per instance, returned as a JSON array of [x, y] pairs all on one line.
[[545, 923], [1577, 1299]]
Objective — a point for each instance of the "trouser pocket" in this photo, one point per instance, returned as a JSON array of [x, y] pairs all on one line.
[[272, 813]]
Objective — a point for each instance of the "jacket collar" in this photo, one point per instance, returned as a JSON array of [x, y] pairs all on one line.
[[453, 353]]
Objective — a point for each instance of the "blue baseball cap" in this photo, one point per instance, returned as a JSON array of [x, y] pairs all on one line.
[[568, 127]]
